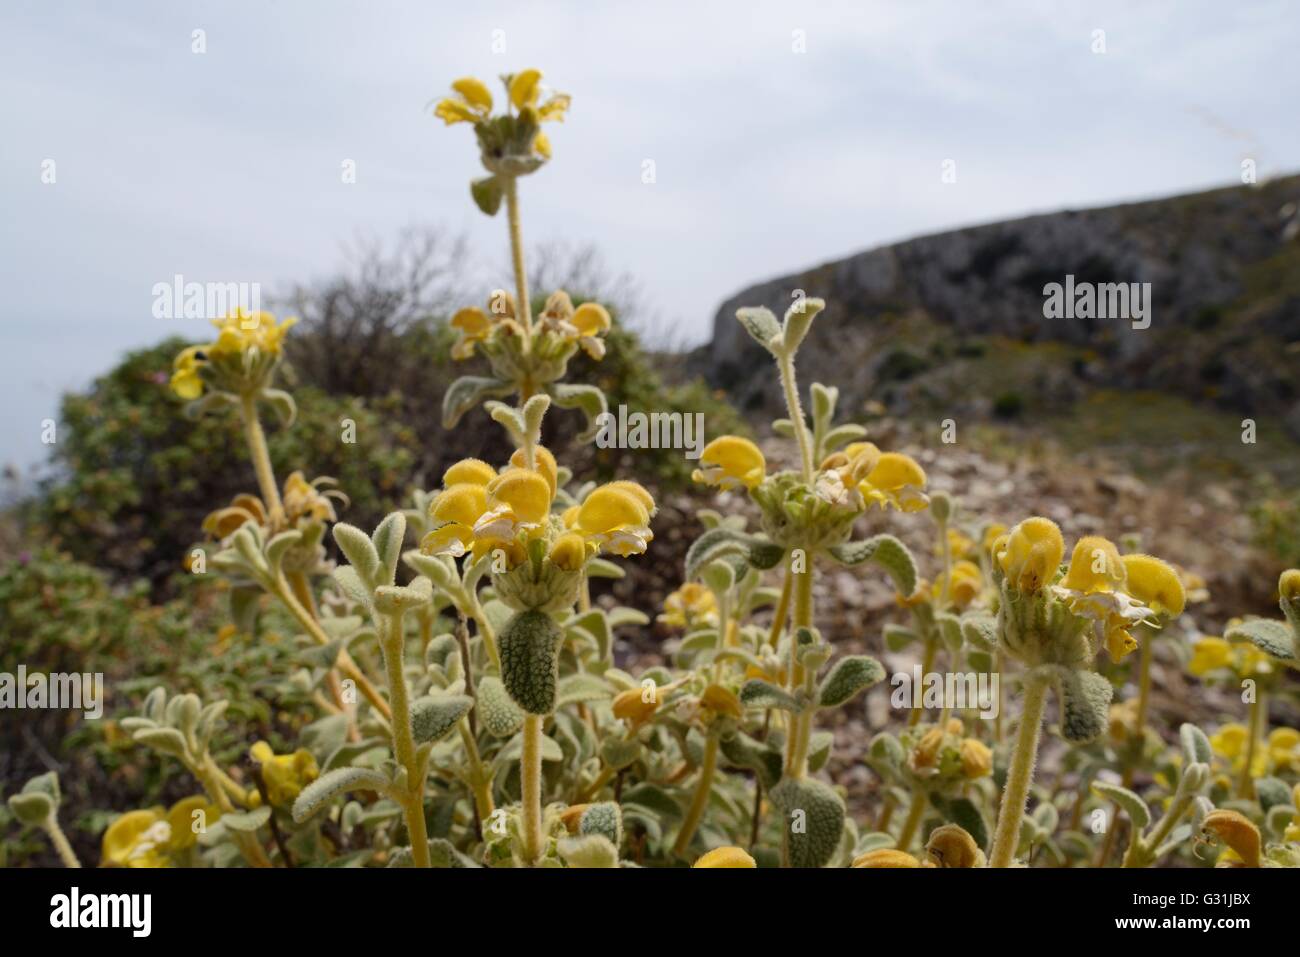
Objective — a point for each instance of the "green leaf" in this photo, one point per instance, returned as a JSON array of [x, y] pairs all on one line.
[[387, 540], [467, 392], [1134, 806], [605, 819], [1196, 746], [360, 552], [588, 398], [758, 693], [887, 552], [501, 716], [487, 193], [282, 404], [1271, 637], [721, 542], [819, 750], [1085, 704], [761, 323], [434, 717], [966, 814], [529, 646], [581, 687], [247, 821], [848, 676], [652, 798], [812, 817], [333, 783], [842, 435], [587, 850], [763, 759], [980, 631]]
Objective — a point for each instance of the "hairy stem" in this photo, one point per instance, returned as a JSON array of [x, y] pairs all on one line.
[[403, 741], [915, 812], [1246, 781], [60, 842], [700, 799], [531, 777], [1021, 773], [261, 459], [523, 305], [786, 365]]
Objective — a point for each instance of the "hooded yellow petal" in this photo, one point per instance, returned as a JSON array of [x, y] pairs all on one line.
[[524, 88], [1095, 566], [1155, 583], [725, 857], [463, 504], [469, 472], [730, 460], [608, 508], [474, 91]]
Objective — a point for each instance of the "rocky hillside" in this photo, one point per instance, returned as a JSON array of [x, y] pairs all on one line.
[[953, 324]]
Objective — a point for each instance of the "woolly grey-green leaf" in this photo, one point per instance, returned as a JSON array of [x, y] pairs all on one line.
[[589, 399], [588, 850], [965, 813], [33, 808], [742, 751], [1271, 792], [841, 435], [761, 323], [724, 542], [387, 540], [496, 712], [812, 816], [1271, 637], [247, 821], [164, 740], [1085, 704], [819, 750], [653, 799], [1134, 806], [581, 687], [467, 392], [848, 676], [618, 752], [487, 193], [333, 783], [360, 552], [887, 552], [605, 819], [758, 693], [1196, 746], [898, 637], [529, 646], [434, 717], [980, 631], [279, 546], [393, 598]]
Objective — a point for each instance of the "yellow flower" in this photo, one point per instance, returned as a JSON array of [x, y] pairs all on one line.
[[525, 91], [1230, 742], [631, 706], [1155, 583], [691, 603], [1235, 830], [976, 759], [616, 520], [454, 514], [242, 331], [886, 857], [1284, 749], [991, 535], [468, 471], [518, 500], [472, 105], [545, 463], [1288, 585], [584, 325], [722, 702], [896, 481], [965, 585], [1095, 566], [284, 775], [137, 839], [729, 461], [571, 551], [474, 327], [181, 820], [185, 381], [1210, 654], [1032, 553], [959, 545], [725, 857], [304, 502]]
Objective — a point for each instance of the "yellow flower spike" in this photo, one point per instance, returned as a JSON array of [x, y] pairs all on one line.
[[545, 465], [1155, 583], [474, 92], [1095, 566], [615, 519], [631, 706], [721, 701], [570, 552], [180, 818], [284, 775], [729, 461], [1235, 830], [1032, 553], [976, 759], [1288, 585], [886, 857], [524, 88], [1210, 654], [136, 839], [725, 857], [468, 472]]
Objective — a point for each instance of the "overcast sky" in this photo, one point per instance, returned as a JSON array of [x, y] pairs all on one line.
[[225, 165]]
